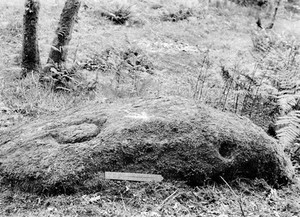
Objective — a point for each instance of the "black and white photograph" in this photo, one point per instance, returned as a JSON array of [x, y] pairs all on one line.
[[150, 108]]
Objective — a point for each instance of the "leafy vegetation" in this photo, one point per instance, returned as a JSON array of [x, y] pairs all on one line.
[[278, 60], [119, 12]]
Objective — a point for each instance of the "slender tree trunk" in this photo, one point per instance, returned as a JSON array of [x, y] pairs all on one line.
[[271, 24], [58, 52], [30, 52]]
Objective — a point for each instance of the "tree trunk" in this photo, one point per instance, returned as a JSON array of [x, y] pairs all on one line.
[[30, 52], [271, 24], [58, 52]]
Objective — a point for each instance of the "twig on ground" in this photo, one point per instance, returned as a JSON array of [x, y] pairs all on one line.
[[124, 206], [238, 197], [172, 196]]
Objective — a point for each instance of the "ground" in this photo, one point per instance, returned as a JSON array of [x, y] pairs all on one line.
[[182, 58], [160, 199]]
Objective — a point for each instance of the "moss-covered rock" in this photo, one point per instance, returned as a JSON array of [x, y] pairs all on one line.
[[174, 137]]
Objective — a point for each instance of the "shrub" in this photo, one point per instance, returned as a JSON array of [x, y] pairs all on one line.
[[177, 15], [118, 13]]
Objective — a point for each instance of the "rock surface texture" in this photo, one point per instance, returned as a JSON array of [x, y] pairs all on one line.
[[174, 137]]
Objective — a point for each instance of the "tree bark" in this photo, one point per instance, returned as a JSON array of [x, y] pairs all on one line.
[[271, 24], [30, 52], [58, 52]]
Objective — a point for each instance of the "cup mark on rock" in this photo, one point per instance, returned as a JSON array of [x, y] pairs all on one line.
[[76, 133]]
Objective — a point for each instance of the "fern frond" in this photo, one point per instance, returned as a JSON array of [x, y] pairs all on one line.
[[278, 60], [288, 101], [289, 127]]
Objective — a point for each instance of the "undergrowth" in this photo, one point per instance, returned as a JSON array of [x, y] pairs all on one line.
[[181, 10], [278, 61], [177, 15], [130, 70], [119, 12], [31, 99], [269, 92]]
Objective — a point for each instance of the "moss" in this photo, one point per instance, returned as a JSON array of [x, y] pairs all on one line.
[[174, 138]]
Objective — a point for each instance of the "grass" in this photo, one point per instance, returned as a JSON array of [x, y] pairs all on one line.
[[159, 199], [176, 53], [170, 47]]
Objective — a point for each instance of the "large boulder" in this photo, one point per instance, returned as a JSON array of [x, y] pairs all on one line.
[[174, 137]]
